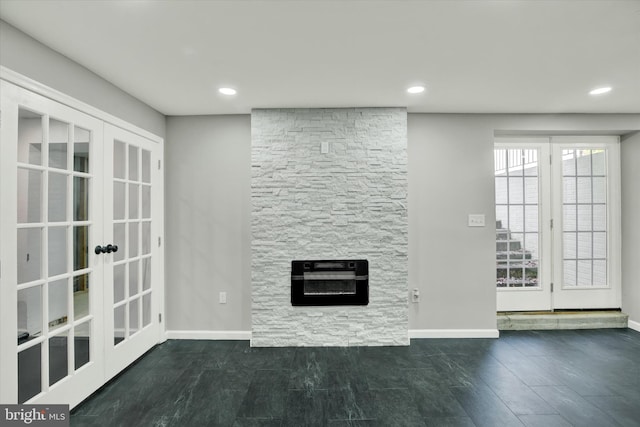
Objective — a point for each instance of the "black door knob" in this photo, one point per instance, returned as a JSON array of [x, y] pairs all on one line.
[[106, 249]]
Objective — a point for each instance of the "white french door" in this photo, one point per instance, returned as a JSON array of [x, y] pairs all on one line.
[[557, 223], [587, 207], [59, 225], [523, 248], [134, 221]]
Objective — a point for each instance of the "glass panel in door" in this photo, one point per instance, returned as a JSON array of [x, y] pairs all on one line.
[[584, 211], [516, 181]]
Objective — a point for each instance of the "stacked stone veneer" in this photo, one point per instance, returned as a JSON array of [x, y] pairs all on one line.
[[350, 203]]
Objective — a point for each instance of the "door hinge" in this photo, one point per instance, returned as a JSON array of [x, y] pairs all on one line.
[[159, 317], [159, 241], [550, 159], [551, 286], [552, 224], [159, 164]]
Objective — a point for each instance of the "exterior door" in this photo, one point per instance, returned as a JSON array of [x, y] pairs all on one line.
[[587, 210], [133, 196], [523, 248], [75, 311], [557, 223], [51, 285]]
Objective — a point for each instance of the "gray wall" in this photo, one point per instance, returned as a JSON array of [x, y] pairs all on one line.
[[208, 220], [630, 153], [27, 56], [450, 176]]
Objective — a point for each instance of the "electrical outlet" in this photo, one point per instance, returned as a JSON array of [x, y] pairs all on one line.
[[415, 295], [223, 297]]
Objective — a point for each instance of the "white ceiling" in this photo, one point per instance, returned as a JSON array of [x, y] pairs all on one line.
[[473, 56]]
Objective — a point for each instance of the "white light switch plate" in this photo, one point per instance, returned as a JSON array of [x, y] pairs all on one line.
[[476, 220], [223, 297], [324, 147]]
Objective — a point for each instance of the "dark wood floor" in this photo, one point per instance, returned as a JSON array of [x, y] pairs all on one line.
[[532, 378]]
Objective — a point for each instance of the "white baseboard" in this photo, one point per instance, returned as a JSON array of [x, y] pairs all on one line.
[[454, 333], [208, 335], [634, 325]]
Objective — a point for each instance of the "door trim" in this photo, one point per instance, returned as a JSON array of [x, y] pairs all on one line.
[[34, 86]]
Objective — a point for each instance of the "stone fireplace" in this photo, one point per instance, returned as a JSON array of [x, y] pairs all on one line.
[[329, 184]]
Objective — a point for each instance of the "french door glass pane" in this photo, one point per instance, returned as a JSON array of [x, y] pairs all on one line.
[[29, 254], [118, 282], [57, 197], [80, 199], [81, 247], [58, 252], [584, 207], [30, 137], [58, 303], [81, 289], [29, 372], [146, 166], [29, 313], [58, 144], [146, 310], [134, 284], [29, 196], [134, 323], [146, 273], [81, 140], [119, 331], [119, 159], [82, 341], [119, 191], [58, 357], [517, 217], [119, 230]]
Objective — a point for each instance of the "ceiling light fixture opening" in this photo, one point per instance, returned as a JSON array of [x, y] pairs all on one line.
[[600, 90], [227, 91], [416, 89]]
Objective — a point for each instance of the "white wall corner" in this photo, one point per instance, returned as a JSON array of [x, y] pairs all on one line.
[[454, 333], [634, 325], [208, 335]]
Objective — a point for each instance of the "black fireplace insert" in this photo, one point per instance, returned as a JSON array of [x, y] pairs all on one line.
[[330, 282]]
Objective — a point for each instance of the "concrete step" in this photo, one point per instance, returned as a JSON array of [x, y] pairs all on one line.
[[519, 321]]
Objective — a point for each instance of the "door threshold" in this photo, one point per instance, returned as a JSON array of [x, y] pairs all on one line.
[[561, 319]]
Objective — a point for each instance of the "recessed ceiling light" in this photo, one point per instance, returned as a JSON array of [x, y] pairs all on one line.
[[600, 90], [227, 91], [416, 89]]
